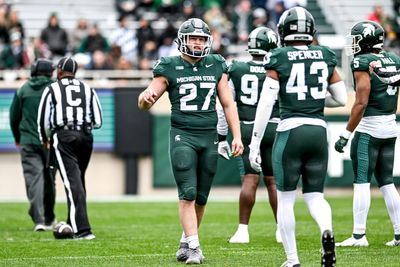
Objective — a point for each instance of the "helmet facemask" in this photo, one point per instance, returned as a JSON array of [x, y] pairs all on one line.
[[185, 46], [352, 47]]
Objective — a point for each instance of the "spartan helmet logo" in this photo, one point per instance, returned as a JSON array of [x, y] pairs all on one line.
[[369, 29], [272, 37]]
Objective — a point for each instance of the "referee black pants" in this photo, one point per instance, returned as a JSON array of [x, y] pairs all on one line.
[[73, 150]]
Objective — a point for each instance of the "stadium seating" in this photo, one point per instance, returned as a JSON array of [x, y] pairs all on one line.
[[344, 13], [35, 13]]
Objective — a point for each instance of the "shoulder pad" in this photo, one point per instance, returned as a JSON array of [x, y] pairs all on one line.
[[330, 55], [233, 66], [164, 60], [271, 58], [360, 63], [161, 65], [328, 50], [393, 56], [218, 57]]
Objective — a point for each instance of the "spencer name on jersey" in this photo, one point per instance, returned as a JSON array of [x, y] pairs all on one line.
[[195, 79], [192, 90], [305, 54]]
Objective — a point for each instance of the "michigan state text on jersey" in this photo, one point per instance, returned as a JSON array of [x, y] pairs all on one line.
[[192, 90], [193, 81]]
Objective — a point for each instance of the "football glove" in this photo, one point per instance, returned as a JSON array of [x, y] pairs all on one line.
[[255, 159], [342, 142], [224, 149]]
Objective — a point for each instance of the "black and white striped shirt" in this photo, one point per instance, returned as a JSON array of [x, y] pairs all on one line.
[[68, 102]]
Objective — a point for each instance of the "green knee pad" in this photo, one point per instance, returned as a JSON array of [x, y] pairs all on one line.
[[188, 194], [201, 199]]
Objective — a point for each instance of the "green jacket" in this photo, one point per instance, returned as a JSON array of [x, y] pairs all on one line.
[[24, 110]]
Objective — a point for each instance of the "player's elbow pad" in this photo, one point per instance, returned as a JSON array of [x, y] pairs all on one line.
[[339, 93]]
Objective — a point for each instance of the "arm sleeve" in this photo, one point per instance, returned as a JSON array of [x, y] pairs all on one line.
[[222, 126], [232, 88], [97, 112], [388, 77], [338, 95], [43, 118], [267, 100]]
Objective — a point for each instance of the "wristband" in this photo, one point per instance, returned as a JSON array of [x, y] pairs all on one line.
[[221, 137], [346, 134]]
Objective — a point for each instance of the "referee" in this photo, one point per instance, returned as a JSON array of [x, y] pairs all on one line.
[[69, 109]]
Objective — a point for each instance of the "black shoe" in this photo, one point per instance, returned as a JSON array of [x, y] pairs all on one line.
[[87, 235], [328, 257]]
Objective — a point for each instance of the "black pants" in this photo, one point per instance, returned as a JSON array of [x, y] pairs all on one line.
[[73, 150], [39, 183]]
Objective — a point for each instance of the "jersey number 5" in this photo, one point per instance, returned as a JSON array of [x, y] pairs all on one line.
[[297, 83]]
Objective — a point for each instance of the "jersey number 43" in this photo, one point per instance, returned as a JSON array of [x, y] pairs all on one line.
[[297, 80]]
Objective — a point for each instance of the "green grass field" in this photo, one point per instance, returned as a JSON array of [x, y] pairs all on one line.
[[147, 234]]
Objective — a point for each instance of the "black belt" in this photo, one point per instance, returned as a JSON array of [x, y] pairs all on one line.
[[71, 127]]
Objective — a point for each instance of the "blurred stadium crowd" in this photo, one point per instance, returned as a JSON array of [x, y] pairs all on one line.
[[136, 48], [128, 47]]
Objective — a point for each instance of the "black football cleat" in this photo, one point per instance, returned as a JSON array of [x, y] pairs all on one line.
[[328, 255]]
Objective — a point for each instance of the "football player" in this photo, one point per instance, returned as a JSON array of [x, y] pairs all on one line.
[[373, 118], [305, 79], [246, 80], [193, 80]]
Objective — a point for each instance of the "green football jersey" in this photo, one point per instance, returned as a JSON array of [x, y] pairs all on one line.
[[382, 98], [248, 79], [192, 90], [303, 79]]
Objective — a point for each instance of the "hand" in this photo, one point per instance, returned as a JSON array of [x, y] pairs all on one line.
[[47, 145], [255, 159], [373, 65], [237, 147], [340, 144], [149, 96], [224, 150]]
